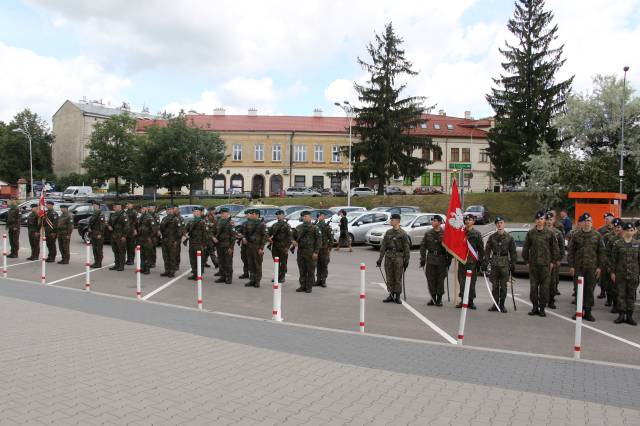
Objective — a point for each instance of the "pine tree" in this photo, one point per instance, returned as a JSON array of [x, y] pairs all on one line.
[[386, 123], [527, 98]]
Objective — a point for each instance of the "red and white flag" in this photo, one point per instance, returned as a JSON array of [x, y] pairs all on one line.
[[41, 207], [455, 237]]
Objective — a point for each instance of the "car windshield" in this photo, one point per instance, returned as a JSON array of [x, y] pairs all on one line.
[[474, 208], [69, 191], [350, 216]]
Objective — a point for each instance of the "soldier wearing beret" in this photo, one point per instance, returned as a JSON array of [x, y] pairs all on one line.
[[254, 237], [474, 238], [608, 227], [13, 227], [155, 234], [145, 239], [224, 238], [625, 269], [197, 235], [435, 260], [64, 229], [171, 232], [34, 225], [555, 274], [395, 251], [96, 234], [50, 226], [119, 226], [132, 232], [324, 254], [609, 239], [306, 239], [500, 253], [280, 235]]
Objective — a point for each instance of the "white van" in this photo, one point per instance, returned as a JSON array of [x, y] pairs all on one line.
[[77, 193]]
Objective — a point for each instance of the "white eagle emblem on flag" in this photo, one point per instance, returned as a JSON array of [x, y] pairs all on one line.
[[456, 220]]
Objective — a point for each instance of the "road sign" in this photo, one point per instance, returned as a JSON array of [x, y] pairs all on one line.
[[460, 166]]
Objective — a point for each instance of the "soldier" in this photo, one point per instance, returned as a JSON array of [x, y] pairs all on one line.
[[13, 227], [145, 239], [182, 229], [253, 238], [609, 239], [436, 261], [34, 224], [196, 234], [324, 254], [132, 232], [224, 239], [500, 253], [603, 230], [473, 261], [64, 229], [625, 270], [243, 253], [50, 224], [306, 239], [540, 252], [280, 239], [555, 274], [171, 235], [155, 233], [344, 240], [211, 223], [119, 226], [396, 252], [586, 257], [96, 234]]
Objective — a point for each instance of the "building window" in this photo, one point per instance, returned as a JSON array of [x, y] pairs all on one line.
[[300, 153], [237, 183], [259, 152], [335, 154], [299, 181], [318, 154], [466, 155], [423, 124], [424, 179], [437, 155], [317, 182], [484, 156], [276, 152], [407, 181], [449, 126], [455, 154], [436, 126], [425, 154], [437, 179], [336, 182], [237, 152]]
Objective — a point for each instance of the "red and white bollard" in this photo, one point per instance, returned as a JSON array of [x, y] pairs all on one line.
[[362, 295], [579, 299], [138, 270], [465, 306], [43, 261], [276, 313], [87, 268], [199, 277], [4, 255]]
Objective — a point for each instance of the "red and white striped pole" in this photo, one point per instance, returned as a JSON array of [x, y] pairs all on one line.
[[43, 260], [199, 277], [4, 255], [87, 268], [276, 313], [465, 306], [362, 295], [579, 298], [138, 270]]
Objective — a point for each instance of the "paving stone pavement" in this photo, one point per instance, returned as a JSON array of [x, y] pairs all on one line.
[[63, 365]]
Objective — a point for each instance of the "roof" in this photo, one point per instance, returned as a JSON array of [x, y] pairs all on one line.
[[100, 110], [598, 195], [461, 127]]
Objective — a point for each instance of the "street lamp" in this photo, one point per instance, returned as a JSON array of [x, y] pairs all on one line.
[[28, 135], [624, 95], [348, 110]]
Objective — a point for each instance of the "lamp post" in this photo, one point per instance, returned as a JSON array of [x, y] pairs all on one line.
[[624, 95], [348, 110], [28, 135]]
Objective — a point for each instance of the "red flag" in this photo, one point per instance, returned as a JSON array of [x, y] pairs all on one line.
[[455, 237], [41, 208]]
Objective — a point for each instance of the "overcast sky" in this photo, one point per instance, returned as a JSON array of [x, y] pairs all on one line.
[[282, 57]]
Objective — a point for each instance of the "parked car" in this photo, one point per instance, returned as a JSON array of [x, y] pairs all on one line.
[[427, 190], [362, 191], [359, 224], [396, 209], [267, 214], [290, 208], [78, 193], [481, 213], [83, 227], [394, 190], [234, 209], [333, 192], [83, 210], [348, 209], [294, 218], [414, 224], [294, 191], [200, 192]]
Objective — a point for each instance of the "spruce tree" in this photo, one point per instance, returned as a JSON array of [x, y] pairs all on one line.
[[386, 123], [527, 97]]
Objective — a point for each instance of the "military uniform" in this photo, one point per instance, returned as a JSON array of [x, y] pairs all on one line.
[[500, 253], [324, 254], [132, 217], [171, 235], [226, 238], [155, 237], [197, 233], [243, 255], [626, 266], [475, 239], [211, 223], [396, 252], [119, 223], [182, 229], [64, 229], [34, 225], [307, 238], [96, 235], [554, 279], [609, 239], [436, 261], [50, 224], [13, 228], [145, 239], [254, 238], [539, 251], [280, 233]]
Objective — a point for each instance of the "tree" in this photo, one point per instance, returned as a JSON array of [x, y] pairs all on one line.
[[386, 123], [113, 150], [527, 97]]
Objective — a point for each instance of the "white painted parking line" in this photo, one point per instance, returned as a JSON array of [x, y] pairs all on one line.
[[424, 319], [22, 263], [589, 327], [159, 289], [77, 275]]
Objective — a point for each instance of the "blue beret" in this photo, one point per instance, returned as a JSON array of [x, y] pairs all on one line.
[[583, 217], [395, 216], [617, 222], [498, 219], [627, 226], [540, 214]]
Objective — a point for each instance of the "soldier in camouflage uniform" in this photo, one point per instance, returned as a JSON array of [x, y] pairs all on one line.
[[540, 251], [34, 225], [13, 228], [254, 237], [197, 236], [500, 253], [555, 274], [155, 234], [435, 260], [119, 226], [145, 239], [243, 253], [396, 252], [324, 254], [211, 223], [50, 224], [132, 232], [609, 239], [171, 231], [96, 234], [64, 229], [586, 256], [224, 239], [280, 239], [306, 239], [475, 239], [604, 230], [625, 270]]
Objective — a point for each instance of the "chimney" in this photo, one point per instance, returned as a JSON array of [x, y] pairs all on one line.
[[442, 112], [252, 112], [467, 115], [219, 111], [317, 112]]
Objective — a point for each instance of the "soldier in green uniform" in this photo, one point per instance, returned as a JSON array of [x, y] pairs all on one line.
[[197, 235], [500, 253], [555, 274], [586, 256], [171, 234], [155, 233], [254, 237], [64, 229], [182, 228], [306, 239], [224, 239], [13, 227], [540, 252], [435, 260], [132, 232], [96, 234], [34, 225], [211, 223], [609, 239], [474, 238], [625, 270], [396, 252], [145, 235], [604, 230], [280, 239], [243, 253], [119, 226], [324, 254], [50, 224]]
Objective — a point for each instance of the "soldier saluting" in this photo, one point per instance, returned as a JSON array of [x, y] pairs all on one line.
[[625, 269], [435, 260], [307, 240], [280, 235], [500, 253], [395, 251]]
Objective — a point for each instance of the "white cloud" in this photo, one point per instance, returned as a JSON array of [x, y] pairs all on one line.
[[43, 83]]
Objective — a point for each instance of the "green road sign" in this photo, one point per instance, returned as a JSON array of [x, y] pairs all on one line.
[[460, 166]]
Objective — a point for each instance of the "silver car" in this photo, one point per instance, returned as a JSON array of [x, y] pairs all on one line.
[[294, 191], [348, 209], [414, 224], [359, 224]]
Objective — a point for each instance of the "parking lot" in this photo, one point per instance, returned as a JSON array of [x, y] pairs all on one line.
[[337, 306]]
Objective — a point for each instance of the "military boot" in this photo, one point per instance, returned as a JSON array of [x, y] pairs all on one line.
[[243, 276], [220, 280], [439, 300], [96, 265], [588, 316], [621, 318], [541, 311], [602, 294], [389, 299], [503, 309], [534, 311], [493, 308], [431, 302], [398, 300], [608, 301], [630, 319]]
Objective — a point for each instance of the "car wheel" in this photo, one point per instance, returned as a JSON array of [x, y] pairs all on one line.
[[85, 235]]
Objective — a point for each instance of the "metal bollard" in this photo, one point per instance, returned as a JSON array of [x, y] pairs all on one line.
[[276, 313], [4, 255], [465, 306], [138, 270], [362, 295], [43, 260], [87, 268], [579, 301], [199, 277]]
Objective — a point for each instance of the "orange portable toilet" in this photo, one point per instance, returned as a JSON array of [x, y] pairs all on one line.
[[597, 204]]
